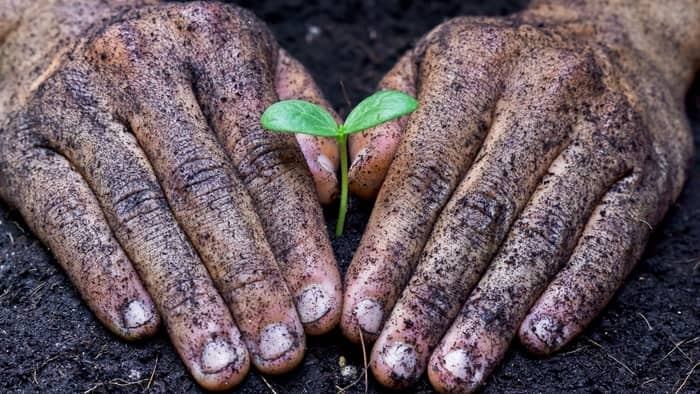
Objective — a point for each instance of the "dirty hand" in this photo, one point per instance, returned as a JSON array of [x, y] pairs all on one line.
[[131, 146], [546, 147]]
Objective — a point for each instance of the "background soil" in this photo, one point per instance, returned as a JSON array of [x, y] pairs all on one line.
[[647, 340]]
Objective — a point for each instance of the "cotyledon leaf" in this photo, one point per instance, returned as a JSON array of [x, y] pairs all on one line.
[[379, 108], [297, 116]]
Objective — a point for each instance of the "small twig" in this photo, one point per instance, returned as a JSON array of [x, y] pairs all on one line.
[[644, 383], [343, 389], [687, 377], [19, 227], [153, 373], [611, 356], [677, 346], [364, 358], [345, 94], [38, 288], [102, 349], [575, 350], [269, 386], [12, 240], [646, 321]]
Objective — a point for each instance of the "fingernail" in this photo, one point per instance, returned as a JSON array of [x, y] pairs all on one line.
[[326, 163], [459, 363], [136, 314], [369, 313], [359, 156], [548, 331], [275, 340], [217, 355], [313, 303], [401, 358]]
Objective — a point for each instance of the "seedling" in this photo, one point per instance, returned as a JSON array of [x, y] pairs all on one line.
[[297, 116]]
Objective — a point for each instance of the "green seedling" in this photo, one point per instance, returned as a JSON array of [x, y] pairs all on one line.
[[297, 116]]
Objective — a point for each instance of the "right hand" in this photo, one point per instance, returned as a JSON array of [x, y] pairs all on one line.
[[136, 154], [522, 191]]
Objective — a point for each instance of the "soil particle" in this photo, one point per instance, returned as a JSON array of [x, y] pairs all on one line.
[[647, 340]]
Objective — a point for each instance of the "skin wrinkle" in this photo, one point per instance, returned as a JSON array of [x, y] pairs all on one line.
[[539, 223], [170, 177]]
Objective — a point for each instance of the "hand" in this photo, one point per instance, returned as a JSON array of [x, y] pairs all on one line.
[[520, 194], [131, 146]]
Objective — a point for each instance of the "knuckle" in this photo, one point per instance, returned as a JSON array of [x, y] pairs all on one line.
[[246, 272], [201, 177], [117, 44], [547, 232], [135, 200], [482, 212], [265, 159], [434, 302], [183, 296]]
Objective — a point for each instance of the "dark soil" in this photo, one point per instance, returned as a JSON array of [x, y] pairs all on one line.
[[647, 340]]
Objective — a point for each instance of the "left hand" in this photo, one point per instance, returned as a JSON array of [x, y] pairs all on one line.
[[131, 145]]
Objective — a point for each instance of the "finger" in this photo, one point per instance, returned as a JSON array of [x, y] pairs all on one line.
[[427, 168], [272, 168], [216, 212], [611, 244], [537, 246], [292, 81], [372, 151], [198, 321], [206, 198], [60, 208], [520, 147]]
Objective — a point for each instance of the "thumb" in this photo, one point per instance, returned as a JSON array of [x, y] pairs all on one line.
[[372, 151], [292, 81]]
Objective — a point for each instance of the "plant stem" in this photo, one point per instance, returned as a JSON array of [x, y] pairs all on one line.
[[342, 142]]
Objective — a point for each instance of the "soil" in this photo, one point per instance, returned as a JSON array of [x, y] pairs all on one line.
[[647, 340]]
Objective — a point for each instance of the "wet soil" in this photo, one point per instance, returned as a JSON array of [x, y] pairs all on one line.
[[647, 340]]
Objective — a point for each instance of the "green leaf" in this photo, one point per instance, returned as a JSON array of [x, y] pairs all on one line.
[[379, 108], [296, 116]]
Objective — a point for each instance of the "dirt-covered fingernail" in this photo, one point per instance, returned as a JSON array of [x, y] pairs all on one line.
[[462, 366], [359, 156], [326, 163], [136, 314], [401, 358], [217, 355], [369, 314], [313, 302], [275, 340], [543, 335]]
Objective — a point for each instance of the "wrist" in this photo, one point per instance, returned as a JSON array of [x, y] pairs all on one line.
[[667, 33]]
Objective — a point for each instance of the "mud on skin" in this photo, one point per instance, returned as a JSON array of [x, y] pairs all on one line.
[[132, 148], [521, 193], [70, 352]]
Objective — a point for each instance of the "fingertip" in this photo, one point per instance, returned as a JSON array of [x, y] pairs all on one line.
[[362, 320], [139, 319], [364, 181], [221, 364], [394, 364], [542, 334], [371, 153], [456, 371], [319, 306], [280, 348], [323, 166]]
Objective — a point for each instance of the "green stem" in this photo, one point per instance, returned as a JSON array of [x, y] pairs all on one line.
[[342, 139]]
